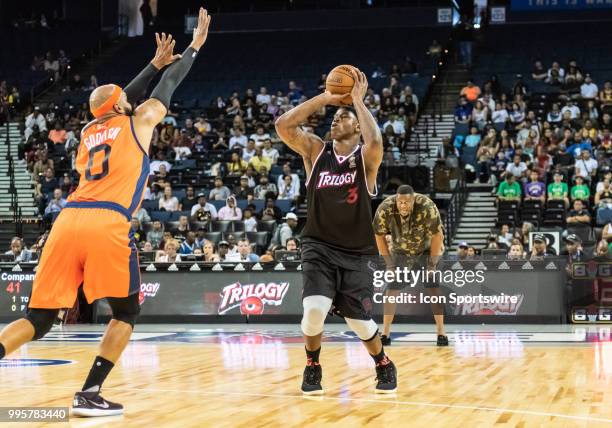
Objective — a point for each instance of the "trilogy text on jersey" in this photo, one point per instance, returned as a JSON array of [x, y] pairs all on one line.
[[335, 180]]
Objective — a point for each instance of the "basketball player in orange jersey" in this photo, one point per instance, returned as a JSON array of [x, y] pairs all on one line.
[[338, 239], [91, 241]]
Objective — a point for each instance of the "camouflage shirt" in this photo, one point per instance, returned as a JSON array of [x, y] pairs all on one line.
[[413, 236]]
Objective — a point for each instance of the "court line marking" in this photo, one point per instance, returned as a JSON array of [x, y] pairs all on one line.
[[356, 400]]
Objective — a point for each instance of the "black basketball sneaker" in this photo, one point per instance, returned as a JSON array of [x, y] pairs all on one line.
[[386, 376], [442, 340], [90, 404], [311, 384]]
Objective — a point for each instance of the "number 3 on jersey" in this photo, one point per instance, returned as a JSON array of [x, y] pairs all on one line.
[[97, 165], [353, 195]]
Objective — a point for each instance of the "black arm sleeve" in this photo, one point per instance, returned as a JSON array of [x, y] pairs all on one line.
[[173, 76], [137, 88]]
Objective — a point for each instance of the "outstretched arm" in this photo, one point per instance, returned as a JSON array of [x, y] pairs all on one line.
[[152, 111], [137, 88]]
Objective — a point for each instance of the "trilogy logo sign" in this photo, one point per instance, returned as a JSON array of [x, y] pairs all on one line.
[[494, 308], [148, 289], [252, 298]]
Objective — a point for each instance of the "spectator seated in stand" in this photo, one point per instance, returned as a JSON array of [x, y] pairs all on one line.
[[220, 192], [509, 189], [557, 190], [19, 251], [580, 191], [168, 202], [535, 189], [190, 244], [203, 210], [243, 254], [169, 253], [230, 211], [55, 205], [578, 215], [244, 191]]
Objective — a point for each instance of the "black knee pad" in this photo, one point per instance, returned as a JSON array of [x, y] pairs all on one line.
[[125, 309], [42, 320]]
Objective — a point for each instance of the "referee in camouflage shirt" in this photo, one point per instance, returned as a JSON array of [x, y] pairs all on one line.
[[417, 236]]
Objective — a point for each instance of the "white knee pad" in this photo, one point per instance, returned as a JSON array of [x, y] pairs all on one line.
[[315, 311], [365, 330]]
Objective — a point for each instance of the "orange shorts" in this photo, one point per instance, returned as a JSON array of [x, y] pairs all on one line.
[[92, 246]]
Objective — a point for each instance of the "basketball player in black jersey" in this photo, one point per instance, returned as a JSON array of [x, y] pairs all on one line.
[[338, 240]]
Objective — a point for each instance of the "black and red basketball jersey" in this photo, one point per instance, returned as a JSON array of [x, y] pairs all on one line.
[[339, 206]]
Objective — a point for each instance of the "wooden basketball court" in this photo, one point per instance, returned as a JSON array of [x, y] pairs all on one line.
[[174, 376]]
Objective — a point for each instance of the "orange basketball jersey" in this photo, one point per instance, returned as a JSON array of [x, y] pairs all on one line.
[[113, 166]]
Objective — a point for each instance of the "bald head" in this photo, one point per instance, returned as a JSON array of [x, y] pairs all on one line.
[[102, 94]]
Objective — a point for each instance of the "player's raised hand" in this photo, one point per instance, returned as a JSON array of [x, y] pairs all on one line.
[[360, 87], [164, 54], [200, 33], [336, 99]]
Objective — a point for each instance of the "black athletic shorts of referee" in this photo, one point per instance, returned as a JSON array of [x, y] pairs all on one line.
[[417, 242]]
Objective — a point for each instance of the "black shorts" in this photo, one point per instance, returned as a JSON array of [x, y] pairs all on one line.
[[344, 277], [415, 264]]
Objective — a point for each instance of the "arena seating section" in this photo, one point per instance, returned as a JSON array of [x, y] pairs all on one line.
[[235, 62], [509, 50]]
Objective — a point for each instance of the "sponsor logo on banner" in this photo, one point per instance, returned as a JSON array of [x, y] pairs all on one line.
[[503, 266], [592, 270], [551, 266], [480, 266], [148, 289], [252, 298], [527, 266], [457, 266], [490, 308]]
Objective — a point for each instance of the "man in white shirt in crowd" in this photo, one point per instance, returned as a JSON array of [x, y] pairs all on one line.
[[260, 135], [204, 207], [160, 159], [238, 140], [243, 254], [588, 90], [263, 97], [397, 125], [269, 151], [516, 168], [500, 114], [585, 166], [250, 151], [572, 108], [34, 118], [295, 179]]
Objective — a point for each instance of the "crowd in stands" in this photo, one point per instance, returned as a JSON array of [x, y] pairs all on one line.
[[548, 155], [219, 175]]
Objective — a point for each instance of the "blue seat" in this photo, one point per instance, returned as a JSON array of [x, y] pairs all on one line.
[[162, 216], [150, 205], [284, 205]]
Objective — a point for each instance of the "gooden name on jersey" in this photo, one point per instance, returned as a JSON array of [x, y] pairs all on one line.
[[339, 205]]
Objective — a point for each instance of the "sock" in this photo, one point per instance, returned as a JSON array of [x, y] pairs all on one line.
[[99, 370], [312, 357], [2, 351], [380, 357]]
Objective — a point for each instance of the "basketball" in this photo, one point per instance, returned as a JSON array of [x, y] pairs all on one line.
[[340, 81]]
